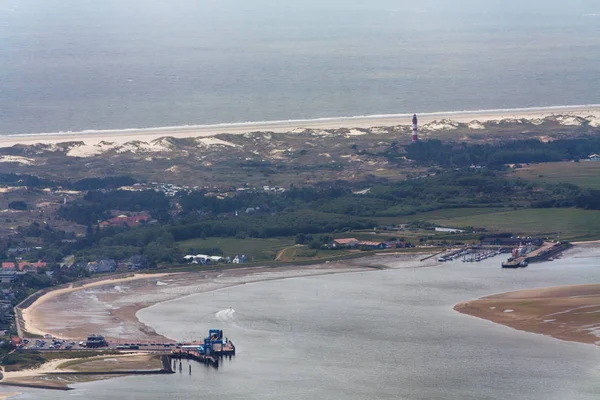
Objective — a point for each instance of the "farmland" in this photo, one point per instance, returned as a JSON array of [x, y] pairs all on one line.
[[585, 174], [563, 223]]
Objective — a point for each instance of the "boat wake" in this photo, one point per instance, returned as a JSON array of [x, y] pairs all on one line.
[[226, 316]]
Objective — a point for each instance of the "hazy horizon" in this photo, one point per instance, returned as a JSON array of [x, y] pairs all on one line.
[[79, 65]]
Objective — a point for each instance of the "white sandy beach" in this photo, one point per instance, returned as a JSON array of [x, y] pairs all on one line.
[[121, 136]]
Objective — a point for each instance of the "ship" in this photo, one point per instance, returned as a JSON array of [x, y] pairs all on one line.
[[515, 263]]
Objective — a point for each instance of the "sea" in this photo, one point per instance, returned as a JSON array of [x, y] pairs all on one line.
[[74, 65], [379, 334]]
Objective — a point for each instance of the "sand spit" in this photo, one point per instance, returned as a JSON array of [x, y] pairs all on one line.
[[569, 313], [95, 142], [58, 374]]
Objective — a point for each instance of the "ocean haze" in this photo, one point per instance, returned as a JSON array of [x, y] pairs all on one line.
[[75, 65]]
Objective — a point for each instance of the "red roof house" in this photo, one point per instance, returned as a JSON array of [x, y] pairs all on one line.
[[27, 265], [8, 265]]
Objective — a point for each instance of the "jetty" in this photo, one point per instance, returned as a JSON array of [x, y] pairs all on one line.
[[523, 255], [213, 348]]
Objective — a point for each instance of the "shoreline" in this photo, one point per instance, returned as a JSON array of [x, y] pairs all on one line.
[[28, 313], [60, 373], [369, 121], [146, 291]]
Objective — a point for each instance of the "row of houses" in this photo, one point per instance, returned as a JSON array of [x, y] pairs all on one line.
[[15, 251], [24, 266], [510, 241], [6, 298], [351, 243], [204, 259], [105, 265]]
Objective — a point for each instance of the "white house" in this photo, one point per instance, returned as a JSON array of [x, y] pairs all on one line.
[[448, 230], [240, 259]]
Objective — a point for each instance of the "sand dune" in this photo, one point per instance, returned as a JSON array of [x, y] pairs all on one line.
[[567, 114]]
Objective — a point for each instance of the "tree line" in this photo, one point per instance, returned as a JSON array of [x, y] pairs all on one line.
[[451, 155]]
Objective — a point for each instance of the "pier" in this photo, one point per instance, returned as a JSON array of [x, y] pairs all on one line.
[[209, 352], [546, 251]]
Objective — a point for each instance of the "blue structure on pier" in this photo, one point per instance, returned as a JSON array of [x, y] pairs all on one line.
[[212, 344]]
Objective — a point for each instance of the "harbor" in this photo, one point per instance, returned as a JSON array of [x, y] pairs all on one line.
[[526, 253], [472, 254], [522, 252]]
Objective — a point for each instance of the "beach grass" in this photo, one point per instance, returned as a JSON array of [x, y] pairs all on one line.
[[21, 360], [303, 253], [585, 174], [113, 363]]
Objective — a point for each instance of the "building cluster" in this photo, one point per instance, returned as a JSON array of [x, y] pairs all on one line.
[[126, 220], [275, 189], [594, 157], [105, 265], [169, 189], [511, 241], [16, 251], [6, 300], [353, 243], [24, 266], [203, 259]]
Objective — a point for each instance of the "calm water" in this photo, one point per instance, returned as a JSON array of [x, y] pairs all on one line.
[[374, 335], [98, 64]]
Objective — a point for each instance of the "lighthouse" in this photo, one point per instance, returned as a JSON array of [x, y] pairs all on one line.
[[415, 129]]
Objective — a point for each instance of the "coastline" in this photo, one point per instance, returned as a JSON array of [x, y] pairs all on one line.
[[57, 374], [121, 136], [59, 308], [30, 316], [177, 282], [60, 373]]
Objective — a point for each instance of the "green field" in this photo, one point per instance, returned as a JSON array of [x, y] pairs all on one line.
[[446, 213], [568, 223], [584, 173], [255, 249]]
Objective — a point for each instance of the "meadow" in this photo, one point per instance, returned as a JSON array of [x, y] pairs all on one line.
[[585, 173], [554, 223]]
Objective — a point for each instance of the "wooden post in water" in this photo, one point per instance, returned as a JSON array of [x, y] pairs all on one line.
[[190, 369]]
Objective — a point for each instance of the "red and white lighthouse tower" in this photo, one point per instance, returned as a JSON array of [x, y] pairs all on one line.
[[415, 129]]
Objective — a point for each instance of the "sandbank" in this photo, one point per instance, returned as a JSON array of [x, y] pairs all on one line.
[[121, 136], [570, 313]]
